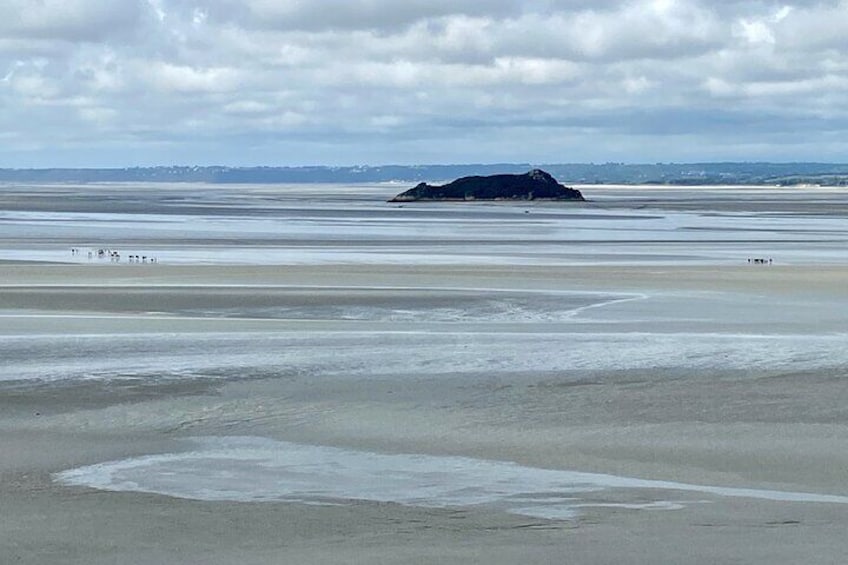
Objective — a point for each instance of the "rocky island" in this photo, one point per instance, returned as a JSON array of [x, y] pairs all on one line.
[[533, 185]]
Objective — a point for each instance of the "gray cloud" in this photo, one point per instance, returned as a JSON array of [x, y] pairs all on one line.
[[70, 20], [337, 81], [384, 15]]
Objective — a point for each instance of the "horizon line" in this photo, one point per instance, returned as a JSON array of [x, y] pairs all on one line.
[[412, 165]]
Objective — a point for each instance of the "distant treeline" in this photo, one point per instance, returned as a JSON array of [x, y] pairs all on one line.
[[784, 174]]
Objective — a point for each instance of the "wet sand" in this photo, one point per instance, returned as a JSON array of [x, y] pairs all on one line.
[[724, 421], [626, 336]]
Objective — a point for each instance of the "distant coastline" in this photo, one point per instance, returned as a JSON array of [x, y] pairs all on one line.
[[687, 174]]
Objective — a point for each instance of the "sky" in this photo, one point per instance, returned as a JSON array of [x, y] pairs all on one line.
[[120, 83]]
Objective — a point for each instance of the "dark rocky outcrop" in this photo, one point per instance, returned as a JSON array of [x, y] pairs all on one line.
[[534, 185]]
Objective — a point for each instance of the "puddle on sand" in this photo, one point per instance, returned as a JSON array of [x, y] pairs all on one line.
[[260, 469]]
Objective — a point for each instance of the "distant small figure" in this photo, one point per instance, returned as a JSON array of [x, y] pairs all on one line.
[[760, 261]]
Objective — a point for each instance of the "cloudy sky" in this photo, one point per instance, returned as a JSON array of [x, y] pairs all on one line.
[[293, 82]]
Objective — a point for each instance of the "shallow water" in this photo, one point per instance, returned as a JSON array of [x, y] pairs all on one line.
[[292, 224], [366, 354], [249, 469]]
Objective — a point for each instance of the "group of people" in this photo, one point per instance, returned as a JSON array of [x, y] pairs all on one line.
[[114, 256], [759, 260]]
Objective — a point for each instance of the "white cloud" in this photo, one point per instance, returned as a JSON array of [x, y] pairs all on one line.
[[183, 79], [247, 107], [331, 76], [33, 87], [98, 116], [756, 31]]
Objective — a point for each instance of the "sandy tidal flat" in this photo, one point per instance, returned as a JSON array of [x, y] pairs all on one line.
[[311, 375]]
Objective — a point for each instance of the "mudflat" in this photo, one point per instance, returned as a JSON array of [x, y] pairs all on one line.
[[378, 410]]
